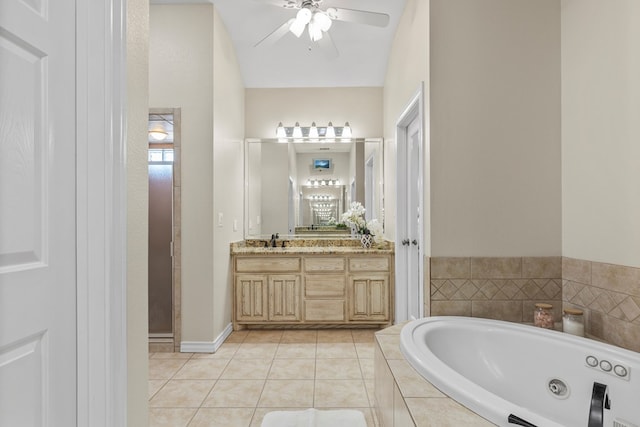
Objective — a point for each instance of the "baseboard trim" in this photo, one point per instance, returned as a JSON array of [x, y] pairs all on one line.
[[206, 346]]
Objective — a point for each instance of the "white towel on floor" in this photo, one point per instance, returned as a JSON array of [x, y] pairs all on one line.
[[315, 418]]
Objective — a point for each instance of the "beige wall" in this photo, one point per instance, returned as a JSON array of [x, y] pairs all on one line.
[[361, 107], [137, 208], [495, 128], [601, 130], [407, 71], [181, 75], [228, 160]]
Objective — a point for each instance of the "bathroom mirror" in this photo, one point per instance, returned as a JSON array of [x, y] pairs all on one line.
[[302, 187]]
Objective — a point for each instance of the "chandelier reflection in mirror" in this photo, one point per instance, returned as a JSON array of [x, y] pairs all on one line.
[[329, 133]]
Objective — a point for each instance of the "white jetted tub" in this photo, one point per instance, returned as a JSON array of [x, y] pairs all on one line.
[[513, 374]]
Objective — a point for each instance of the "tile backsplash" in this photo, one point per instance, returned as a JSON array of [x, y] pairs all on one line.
[[506, 288], [609, 295], [503, 288]]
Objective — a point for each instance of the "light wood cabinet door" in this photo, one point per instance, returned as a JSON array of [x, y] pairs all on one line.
[[284, 298], [251, 297], [369, 297]]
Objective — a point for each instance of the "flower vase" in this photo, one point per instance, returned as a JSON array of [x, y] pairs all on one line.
[[366, 240]]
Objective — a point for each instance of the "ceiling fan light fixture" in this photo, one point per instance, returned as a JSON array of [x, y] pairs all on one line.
[[315, 33], [322, 20], [297, 27]]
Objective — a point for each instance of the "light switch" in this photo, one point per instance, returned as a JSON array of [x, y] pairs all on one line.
[[219, 219], [235, 225], [258, 220]]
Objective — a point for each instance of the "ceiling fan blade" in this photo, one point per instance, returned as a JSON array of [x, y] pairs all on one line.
[[361, 17], [287, 4], [327, 46], [275, 35]]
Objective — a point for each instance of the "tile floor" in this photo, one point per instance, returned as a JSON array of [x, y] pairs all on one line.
[[258, 371]]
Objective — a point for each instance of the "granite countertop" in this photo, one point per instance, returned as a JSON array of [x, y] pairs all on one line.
[[327, 246]]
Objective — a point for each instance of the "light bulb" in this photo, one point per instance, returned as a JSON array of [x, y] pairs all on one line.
[[313, 130], [297, 131], [346, 130], [322, 20], [331, 133]]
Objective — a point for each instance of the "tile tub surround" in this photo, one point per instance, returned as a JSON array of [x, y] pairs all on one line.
[[258, 371], [404, 398], [502, 288], [609, 295]]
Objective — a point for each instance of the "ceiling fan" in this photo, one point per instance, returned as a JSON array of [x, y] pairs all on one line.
[[318, 21]]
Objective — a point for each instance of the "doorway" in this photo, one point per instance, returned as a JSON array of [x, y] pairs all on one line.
[[410, 242], [164, 229]]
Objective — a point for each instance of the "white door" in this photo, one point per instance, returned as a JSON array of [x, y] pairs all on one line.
[[409, 227], [37, 213]]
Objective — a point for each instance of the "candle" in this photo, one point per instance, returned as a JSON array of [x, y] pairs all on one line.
[[573, 322]]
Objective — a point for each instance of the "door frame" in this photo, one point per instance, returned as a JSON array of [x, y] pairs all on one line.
[[176, 257], [404, 290], [101, 211]]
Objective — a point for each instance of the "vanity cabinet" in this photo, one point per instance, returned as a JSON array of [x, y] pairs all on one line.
[[310, 290]]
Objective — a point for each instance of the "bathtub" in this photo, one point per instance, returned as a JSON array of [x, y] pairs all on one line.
[[513, 374]]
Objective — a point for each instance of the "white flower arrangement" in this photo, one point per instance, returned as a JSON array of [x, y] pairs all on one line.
[[354, 218]]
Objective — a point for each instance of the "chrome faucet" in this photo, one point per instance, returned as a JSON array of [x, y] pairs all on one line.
[[274, 238], [599, 402]]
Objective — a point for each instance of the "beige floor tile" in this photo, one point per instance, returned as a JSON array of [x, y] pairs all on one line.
[[298, 337], [340, 394], [174, 355], [226, 351], [201, 369], [181, 394], [335, 336], [170, 417], [154, 386], [235, 394], [299, 351], [263, 337], [367, 412], [366, 367], [338, 369], [364, 335], [223, 417], [371, 392], [292, 369], [236, 337], [336, 351], [247, 369], [290, 393], [364, 350], [256, 351], [163, 369], [258, 416]]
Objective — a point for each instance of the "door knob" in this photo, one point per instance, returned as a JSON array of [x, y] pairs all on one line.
[[414, 242]]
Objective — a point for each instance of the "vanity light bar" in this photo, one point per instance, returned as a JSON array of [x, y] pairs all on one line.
[[321, 182], [313, 131]]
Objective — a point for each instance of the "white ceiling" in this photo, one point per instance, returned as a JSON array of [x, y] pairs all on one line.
[[292, 62]]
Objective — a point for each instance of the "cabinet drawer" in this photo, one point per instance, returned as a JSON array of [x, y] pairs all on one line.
[[324, 286], [319, 264], [275, 264], [369, 264], [324, 311]]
